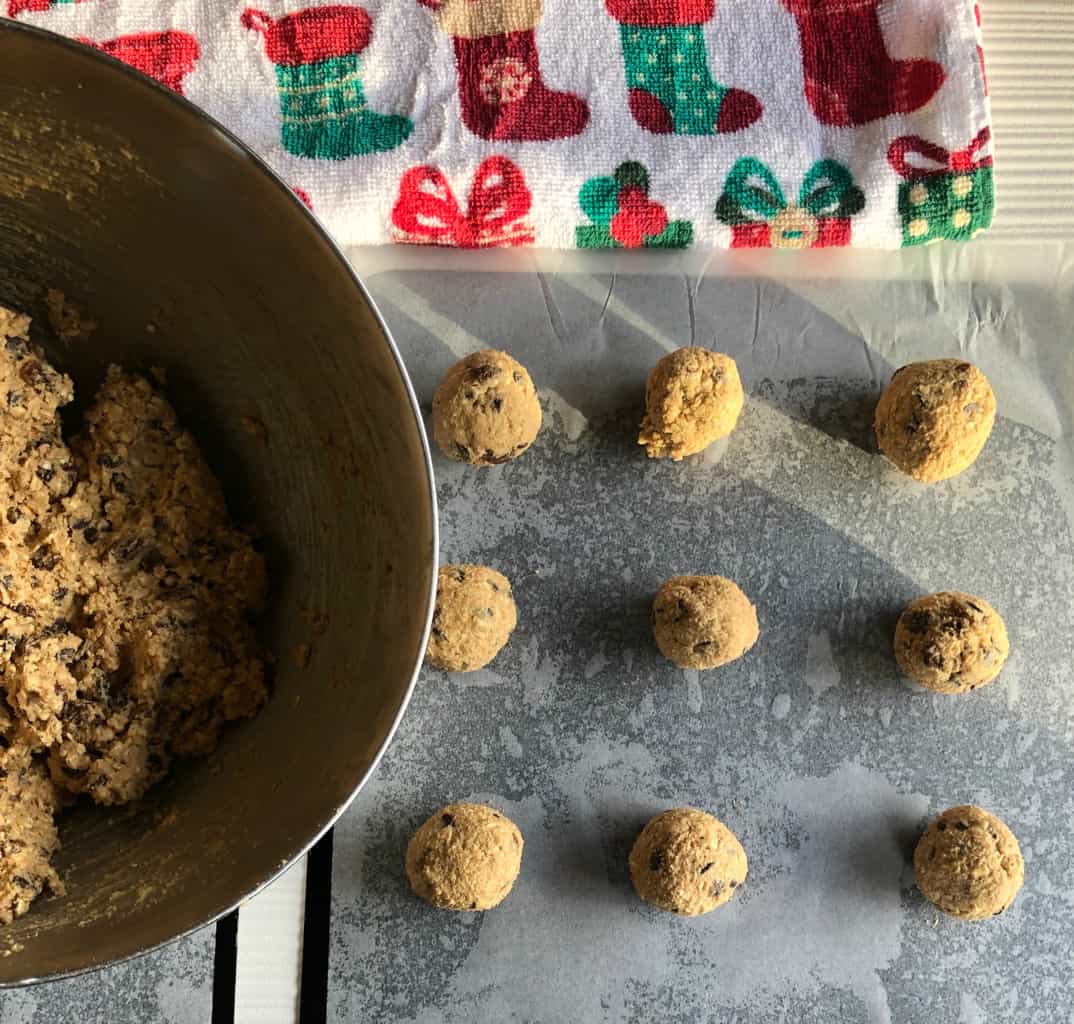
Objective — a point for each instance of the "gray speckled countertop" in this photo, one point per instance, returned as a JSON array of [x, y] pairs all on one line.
[[811, 748], [171, 986]]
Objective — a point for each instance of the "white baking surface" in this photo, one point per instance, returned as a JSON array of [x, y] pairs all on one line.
[[1030, 52]]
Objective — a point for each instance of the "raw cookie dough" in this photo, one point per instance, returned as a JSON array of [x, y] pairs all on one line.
[[951, 642], [465, 857], [692, 398], [703, 621], [969, 864], [934, 418], [29, 801], [126, 596], [687, 861], [485, 410], [474, 615]]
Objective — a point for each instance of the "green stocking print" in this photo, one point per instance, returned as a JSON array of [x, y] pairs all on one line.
[[670, 88], [323, 107], [325, 114]]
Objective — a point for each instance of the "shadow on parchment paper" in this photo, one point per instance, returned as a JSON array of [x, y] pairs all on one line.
[[866, 868], [620, 429], [866, 642], [618, 832], [384, 861], [616, 617], [849, 419], [773, 334]]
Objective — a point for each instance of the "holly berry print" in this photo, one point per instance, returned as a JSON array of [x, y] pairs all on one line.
[[850, 79], [318, 74], [426, 211], [623, 215], [754, 206], [167, 56], [670, 89], [943, 195], [502, 91]]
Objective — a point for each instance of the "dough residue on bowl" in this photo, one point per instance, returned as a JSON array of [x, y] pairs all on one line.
[[126, 605]]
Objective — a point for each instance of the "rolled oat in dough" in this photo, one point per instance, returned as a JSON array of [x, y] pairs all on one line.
[[969, 864], [934, 418], [486, 410], [473, 618], [951, 642], [703, 621], [465, 857], [692, 397], [687, 862]]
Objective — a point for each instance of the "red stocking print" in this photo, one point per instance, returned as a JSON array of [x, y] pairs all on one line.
[[17, 7], [501, 89], [166, 56], [850, 79]]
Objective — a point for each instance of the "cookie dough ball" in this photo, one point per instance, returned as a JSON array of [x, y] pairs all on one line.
[[692, 398], [485, 410], [934, 418], [951, 642], [474, 615], [465, 857], [687, 861], [703, 621], [968, 863]]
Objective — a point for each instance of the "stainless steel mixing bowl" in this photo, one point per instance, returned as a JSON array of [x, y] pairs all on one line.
[[190, 255]]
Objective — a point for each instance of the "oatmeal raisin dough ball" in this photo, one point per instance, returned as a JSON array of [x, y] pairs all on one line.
[[692, 398], [969, 864], [934, 418], [474, 615], [951, 642], [485, 410], [687, 862], [465, 857], [703, 621]]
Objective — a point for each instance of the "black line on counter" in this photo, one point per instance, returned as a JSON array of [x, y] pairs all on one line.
[[224, 960], [313, 998]]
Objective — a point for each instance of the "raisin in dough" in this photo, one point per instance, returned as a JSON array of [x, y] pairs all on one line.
[[934, 418], [703, 621], [485, 410], [969, 864], [474, 615], [692, 398], [465, 857], [951, 642], [687, 862]]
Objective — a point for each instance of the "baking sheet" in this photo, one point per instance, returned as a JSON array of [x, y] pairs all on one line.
[[811, 748]]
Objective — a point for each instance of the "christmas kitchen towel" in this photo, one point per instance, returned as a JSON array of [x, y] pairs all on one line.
[[587, 123]]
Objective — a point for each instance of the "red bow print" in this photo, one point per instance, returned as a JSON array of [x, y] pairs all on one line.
[[960, 161], [427, 212]]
